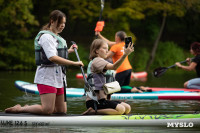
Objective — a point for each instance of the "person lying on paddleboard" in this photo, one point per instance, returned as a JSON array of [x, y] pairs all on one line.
[[51, 57], [97, 68], [193, 65], [123, 73]]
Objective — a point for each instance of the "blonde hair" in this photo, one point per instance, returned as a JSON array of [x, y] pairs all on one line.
[[96, 44]]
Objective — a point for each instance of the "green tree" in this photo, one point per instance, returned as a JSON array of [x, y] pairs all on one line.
[[15, 45], [146, 20], [166, 8], [121, 15]]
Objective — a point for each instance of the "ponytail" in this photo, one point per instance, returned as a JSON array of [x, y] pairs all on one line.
[[46, 27], [54, 16]]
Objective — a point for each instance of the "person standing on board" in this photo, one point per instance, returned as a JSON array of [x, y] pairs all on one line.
[[194, 64], [123, 73], [51, 57], [97, 68]]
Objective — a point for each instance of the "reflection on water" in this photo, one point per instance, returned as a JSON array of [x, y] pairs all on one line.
[[10, 96], [28, 99], [164, 106], [79, 129]]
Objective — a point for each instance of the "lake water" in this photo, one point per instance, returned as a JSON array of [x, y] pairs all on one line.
[[10, 96]]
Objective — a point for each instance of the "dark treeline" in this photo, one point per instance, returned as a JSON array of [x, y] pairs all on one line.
[[162, 29]]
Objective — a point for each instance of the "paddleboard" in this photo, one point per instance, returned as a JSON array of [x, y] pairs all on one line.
[[155, 120], [137, 75], [159, 94]]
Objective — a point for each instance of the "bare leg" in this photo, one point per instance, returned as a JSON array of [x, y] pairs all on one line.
[[60, 105], [185, 84], [26, 109], [120, 109], [47, 107], [134, 89], [144, 88], [90, 111], [14, 109], [127, 107]]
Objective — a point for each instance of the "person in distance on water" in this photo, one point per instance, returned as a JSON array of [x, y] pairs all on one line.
[[123, 73], [194, 64], [50, 74], [98, 67]]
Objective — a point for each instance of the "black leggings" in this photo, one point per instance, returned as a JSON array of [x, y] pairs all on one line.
[[124, 91], [124, 77], [103, 104]]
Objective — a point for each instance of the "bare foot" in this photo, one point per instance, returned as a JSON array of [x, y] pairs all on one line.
[[14, 109], [26, 105], [145, 89], [134, 89], [90, 111]]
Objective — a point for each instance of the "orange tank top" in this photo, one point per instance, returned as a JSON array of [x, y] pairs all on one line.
[[118, 50]]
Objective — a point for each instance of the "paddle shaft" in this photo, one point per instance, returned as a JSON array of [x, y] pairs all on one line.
[[82, 71], [65, 93], [64, 84], [89, 92], [100, 16], [102, 7], [161, 70], [179, 62]]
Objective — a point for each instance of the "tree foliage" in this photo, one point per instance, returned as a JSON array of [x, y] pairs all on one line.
[[20, 20], [15, 21]]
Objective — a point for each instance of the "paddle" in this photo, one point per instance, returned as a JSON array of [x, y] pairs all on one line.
[[102, 7], [88, 89], [100, 23], [161, 70]]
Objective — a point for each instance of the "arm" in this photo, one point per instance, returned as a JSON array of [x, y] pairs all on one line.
[[188, 68], [127, 51], [47, 43], [110, 43], [62, 61], [116, 64], [110, 54]]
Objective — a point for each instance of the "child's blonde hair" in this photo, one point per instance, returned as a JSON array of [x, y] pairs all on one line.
[[96, 44]]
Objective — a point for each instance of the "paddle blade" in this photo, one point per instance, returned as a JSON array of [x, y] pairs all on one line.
[[90, 92], [91, 95], [159, 71]]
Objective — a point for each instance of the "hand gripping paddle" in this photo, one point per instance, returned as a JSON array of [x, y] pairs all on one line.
[[161, 70]]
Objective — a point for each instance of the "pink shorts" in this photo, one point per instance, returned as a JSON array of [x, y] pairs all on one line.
[[49, 89]]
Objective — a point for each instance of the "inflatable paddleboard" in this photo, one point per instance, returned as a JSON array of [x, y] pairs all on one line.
[[159, 94], [133, 75], [155, 120]]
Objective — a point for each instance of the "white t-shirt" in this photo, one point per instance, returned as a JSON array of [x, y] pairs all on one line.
[[53, 75]]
